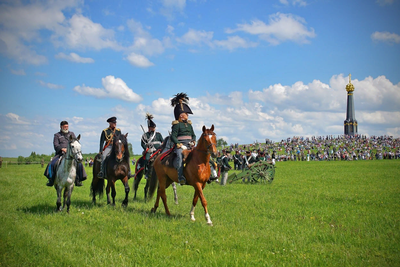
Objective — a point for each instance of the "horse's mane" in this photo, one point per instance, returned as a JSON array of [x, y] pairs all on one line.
[[124, 142]]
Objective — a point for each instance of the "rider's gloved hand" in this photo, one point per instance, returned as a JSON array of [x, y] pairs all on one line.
[[184, 147]]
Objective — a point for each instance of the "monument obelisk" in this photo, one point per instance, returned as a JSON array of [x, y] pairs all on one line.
[[350, 124]]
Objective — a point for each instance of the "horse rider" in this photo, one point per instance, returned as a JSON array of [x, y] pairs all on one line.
[[182, 134], [106, 142], [151, 141], [225, 167], [60, 143]]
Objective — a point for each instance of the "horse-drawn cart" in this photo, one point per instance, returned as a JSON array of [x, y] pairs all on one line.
[[259, 172]]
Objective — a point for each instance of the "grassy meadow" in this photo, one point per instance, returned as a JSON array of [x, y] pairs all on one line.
[[344, 213]]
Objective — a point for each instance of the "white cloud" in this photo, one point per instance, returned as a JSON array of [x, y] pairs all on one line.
[[21, 23], [18, 72], [386, 37], [234, 42], [281, 28], [293, 2], [194, 37], [112, 88], [139, 60], [50, 85], [83, 33], [16, 119], [170, 7], [384, 2], [74, 58], [143, 42]]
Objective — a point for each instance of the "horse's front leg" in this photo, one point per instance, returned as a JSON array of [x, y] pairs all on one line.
[[58, 203], [67, 196], [127, 189], [113, 192], [203, 200], [108, 189], [194, 202]]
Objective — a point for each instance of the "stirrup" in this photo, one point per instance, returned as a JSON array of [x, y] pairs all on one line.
[[50, 182], [182, 180], [100, 175]]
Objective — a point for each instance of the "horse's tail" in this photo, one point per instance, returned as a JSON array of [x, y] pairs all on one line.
[[97, 186], [153, 179]]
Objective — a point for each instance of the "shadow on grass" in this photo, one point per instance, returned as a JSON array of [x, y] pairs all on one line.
[[48, 209]]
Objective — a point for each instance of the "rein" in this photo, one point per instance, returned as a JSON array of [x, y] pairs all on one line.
[[207, 151], [70, 156]]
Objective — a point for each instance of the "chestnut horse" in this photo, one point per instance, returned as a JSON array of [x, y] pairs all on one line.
[[116, 168], [197, 172]]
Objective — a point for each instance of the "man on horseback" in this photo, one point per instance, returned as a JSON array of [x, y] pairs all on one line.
[[106, 140], [150, 142], [182, 131], [60, 143]]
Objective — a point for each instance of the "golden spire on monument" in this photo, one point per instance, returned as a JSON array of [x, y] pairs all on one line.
[[349, 86]]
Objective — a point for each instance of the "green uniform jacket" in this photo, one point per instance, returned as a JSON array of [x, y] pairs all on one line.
[[106, 135], [156, 141], [181, 129]]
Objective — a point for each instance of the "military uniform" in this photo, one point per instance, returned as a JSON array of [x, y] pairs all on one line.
[[182, 132], [150, 142], [225, 167], [106, 142]]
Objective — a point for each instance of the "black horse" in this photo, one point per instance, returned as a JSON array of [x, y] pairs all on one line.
[[116, 168]]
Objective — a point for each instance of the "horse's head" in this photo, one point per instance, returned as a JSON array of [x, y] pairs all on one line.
[[120, 147], [208, 141], [75, 148]]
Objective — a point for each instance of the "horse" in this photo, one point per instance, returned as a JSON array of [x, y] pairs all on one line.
[[116, 168], [66, 172], [197, 172], [139, 172]]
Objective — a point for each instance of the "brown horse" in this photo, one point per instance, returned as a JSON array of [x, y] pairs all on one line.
[[117, 168], [197, 172]]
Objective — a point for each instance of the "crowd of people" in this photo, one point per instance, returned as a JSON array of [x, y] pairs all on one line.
[[317, 148]]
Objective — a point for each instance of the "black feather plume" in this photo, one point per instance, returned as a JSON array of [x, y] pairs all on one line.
[[149, 116], [177, 97]]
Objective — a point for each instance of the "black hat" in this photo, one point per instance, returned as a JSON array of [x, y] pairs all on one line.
[[112, 119], [63, 123], [149, 118], [180, 102]]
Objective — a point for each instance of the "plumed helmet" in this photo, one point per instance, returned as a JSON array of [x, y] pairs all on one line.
[[180, 102], [150, 122]]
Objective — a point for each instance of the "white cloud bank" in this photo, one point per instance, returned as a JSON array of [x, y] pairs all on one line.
[[112, 88]]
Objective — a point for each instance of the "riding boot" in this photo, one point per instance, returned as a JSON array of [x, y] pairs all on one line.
[[100, 175], [181, 178], [77, 182], [50, 182]]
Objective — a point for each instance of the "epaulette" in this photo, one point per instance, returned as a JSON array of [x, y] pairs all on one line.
[[176, 122]]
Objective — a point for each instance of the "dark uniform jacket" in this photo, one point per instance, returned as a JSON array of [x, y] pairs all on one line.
[[107, 136], [61, 140], [182, 129]]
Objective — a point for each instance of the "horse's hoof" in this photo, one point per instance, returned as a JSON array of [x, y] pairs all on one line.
[[210, 224]]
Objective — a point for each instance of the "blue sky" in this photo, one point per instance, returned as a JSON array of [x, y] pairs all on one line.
[[254, 69]]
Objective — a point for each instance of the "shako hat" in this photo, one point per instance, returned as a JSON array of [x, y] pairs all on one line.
[[112, 119], [149, 118], [180, 102]]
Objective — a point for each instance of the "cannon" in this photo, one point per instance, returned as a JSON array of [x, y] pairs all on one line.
[[259, 172]]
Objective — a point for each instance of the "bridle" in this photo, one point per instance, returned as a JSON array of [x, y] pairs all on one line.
[[207, 151], [70, 155]]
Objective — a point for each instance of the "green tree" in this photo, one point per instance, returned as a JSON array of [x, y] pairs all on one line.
[[221, 142], [130, 149], [20, 160]]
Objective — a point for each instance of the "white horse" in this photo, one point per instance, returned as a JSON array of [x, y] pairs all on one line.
[[66, 172]]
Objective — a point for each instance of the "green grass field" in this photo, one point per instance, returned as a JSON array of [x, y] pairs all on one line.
[[313, 214]]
